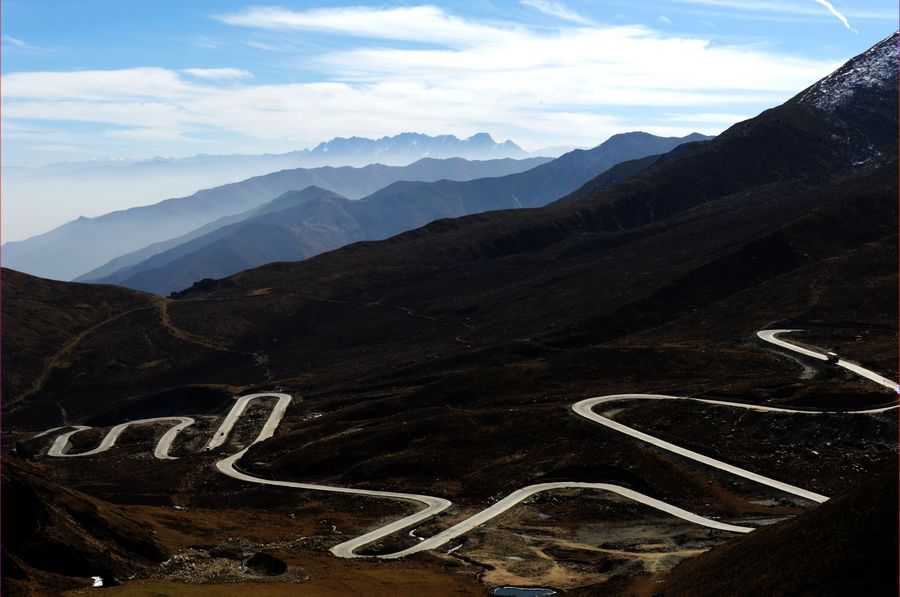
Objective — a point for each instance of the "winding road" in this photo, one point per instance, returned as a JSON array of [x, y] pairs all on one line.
[[771, 337], [435, 505], [237, 410], [60, 446]]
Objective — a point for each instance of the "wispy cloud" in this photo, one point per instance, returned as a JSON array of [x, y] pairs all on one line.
[[789, 7], [217, 73], [19, 44], [262, 45], [205, 43], [834, 11], [557, 9], [426, 24]]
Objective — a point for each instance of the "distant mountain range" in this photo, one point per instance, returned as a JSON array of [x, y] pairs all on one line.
[[407, 147], [397, 150], [301, 224], [84, 244], [99, 186]]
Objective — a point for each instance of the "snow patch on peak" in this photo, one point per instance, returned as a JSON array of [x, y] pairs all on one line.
[[874, 69]]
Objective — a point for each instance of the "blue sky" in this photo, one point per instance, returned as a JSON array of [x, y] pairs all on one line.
[[85, 79]]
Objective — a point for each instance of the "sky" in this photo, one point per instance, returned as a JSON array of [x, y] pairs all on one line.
[[89, 79]]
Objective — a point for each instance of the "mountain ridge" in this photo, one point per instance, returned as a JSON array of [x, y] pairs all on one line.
[[104, 185], [397, 207], [400, 147], [84, 244]]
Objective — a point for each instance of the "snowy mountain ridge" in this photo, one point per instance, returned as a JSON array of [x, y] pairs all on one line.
[[874, 69]]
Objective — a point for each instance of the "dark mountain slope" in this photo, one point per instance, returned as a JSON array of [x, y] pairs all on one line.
[[121, 267], [253, 243], [586, 289], [847, 546], [48, 528], [618, 173], [540, 185], [772, 197], [524, 335], [160, 254], [398, 207], [41, 318], [87, 243]]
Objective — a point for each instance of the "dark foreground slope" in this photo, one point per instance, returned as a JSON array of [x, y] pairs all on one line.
[[847, 546], [51, 532]]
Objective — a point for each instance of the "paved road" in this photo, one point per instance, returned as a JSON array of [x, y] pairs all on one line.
[[237, 410], [584, 408], [771, 336], [435, 505], [524, 493], [60, 446]]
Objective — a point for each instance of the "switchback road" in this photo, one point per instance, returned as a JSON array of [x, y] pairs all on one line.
[[435, 505]]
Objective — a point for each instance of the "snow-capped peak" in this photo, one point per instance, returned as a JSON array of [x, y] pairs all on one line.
[[874, 69]]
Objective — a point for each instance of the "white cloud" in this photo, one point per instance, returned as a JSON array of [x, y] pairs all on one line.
[[588, 67], [558, 10], [665, 20], [96, 84], [834, 11], [427, 24], [571, 85], [217, 73]]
